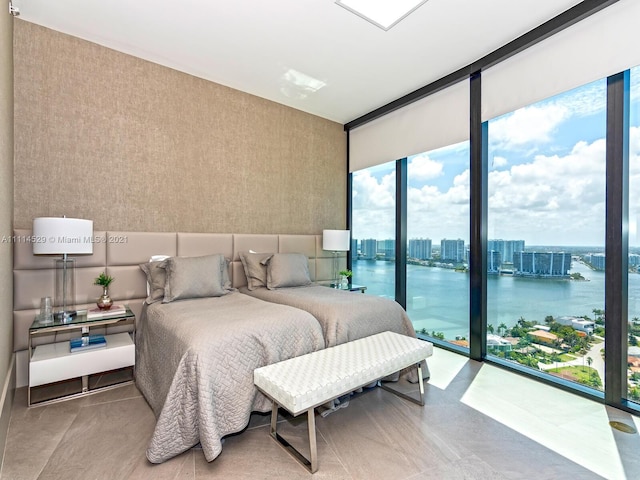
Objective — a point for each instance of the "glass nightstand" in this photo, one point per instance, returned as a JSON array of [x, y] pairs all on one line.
[[352, 287], [54, 362]]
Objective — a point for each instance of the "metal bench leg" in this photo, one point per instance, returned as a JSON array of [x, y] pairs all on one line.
[[405, 396], [312, 465]]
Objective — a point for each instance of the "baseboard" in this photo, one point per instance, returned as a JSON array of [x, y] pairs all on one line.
[[6, 403], [22, 368]]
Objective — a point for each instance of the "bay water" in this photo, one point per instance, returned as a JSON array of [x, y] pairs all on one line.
[[438, 298]]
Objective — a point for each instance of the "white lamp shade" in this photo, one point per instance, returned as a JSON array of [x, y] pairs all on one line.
[[336, 240], [60, 235]]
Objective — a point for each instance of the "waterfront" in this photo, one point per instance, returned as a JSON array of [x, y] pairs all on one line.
[[438, 298]]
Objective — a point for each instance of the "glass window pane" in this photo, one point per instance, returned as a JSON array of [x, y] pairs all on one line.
[[438, 241], [373, 229], [546, 235], [633, 360]]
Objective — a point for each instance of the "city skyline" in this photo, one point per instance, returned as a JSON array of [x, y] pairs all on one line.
[[546, 177]]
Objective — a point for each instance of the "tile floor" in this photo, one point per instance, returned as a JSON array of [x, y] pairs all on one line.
[[479, 422]]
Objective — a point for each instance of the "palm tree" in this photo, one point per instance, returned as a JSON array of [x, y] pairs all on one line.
[[502, 328], [490, 328]]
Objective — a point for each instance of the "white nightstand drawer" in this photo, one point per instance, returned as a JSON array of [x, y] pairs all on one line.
[[54, 362]]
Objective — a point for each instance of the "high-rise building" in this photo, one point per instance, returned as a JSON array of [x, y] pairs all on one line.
[[506, 248], [452, 250], [494, 260], [368, 249], [388, 249], [543, 264], [420, 248], [596, 260]]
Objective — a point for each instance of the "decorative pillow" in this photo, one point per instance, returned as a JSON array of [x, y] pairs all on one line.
[[156, 277], [287, 270], [254, 269], [195, 277]]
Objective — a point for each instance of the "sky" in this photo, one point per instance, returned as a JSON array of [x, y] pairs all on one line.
[[546, 178]]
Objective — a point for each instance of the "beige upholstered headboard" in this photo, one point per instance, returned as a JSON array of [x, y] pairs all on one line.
[[121, 253]]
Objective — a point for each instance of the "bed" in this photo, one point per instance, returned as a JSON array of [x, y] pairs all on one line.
[[196, 356], [284, 278]]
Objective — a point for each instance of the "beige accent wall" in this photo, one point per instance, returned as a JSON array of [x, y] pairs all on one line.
[[137, 146], [7, 376]]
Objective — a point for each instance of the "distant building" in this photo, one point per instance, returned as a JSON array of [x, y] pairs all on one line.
[[506, 248], [496, 342], [388, 249], [596, 260], [494, 261], [540, 336], [580, 324], [542, 264], [452, 250], [420, 248], [368, 249]]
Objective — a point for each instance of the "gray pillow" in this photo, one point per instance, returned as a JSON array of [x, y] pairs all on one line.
[[156, 277], [287, 270], [254, 270], [195, 277]]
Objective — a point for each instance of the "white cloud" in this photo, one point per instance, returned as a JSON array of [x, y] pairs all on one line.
[[421, 167], [374, 205], [527, 126], [498, 162]]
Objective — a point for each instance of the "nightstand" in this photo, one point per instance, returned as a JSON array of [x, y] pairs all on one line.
[[54, 362]]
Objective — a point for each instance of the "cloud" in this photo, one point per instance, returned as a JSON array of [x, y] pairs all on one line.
[[421, 167], [527, 126], [498, 162]]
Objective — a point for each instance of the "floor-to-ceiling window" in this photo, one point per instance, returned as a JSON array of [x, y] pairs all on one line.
[[373, 229], [546, 235], [437, 243], [548, 185], [633, 361]]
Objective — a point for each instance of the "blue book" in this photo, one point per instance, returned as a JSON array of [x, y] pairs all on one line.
[[87, 343]]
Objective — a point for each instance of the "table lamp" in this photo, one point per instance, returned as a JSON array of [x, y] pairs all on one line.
[[63, 236], [336, 241]]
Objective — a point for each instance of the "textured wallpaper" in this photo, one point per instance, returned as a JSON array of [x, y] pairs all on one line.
[[134, 145], [6, 213]]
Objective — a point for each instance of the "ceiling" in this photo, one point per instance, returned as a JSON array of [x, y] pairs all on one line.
[[273, 48]]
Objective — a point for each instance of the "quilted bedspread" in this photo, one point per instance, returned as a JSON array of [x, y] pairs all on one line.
[[344, 315], [195, 362]]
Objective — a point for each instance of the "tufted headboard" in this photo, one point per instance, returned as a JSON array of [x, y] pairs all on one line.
[[119, 254]]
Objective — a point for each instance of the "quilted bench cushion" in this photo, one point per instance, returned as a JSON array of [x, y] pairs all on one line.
[[304, 382]]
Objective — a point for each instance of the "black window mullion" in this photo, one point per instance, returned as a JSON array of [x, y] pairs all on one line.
[[478, 136], [401, 232], [617, 239]]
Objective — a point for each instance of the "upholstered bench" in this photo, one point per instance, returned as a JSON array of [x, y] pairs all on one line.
[[302, 383]]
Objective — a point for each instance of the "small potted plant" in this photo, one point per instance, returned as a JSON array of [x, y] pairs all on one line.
[[104, 301], [345, 278]]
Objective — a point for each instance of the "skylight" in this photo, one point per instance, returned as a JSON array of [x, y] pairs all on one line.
[[382, 13]]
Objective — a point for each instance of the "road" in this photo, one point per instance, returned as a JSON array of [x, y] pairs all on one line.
[[595, 352]]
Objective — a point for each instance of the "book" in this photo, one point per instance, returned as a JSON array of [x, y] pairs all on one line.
[[114, 310], [87, 343]]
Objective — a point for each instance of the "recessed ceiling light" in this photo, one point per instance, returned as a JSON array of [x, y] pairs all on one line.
[[382, 13]]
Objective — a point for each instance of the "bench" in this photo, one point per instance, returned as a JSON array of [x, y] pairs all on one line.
[[303, 383]]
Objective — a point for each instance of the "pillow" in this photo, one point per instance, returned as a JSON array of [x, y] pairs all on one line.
[[156, 278], [254, 269], [287, 270], [195, 277]]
